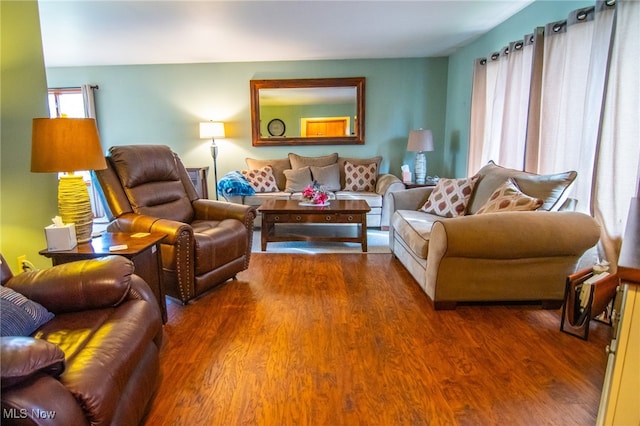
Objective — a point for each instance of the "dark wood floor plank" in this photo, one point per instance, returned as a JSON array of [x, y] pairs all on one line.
[[339, 339]]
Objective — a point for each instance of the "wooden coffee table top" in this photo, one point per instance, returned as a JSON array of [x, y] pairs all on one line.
[[293, 206]]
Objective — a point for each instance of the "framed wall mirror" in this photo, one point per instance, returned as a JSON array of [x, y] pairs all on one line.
[[317, 111]]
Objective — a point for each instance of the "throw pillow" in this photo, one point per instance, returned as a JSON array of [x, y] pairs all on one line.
[[20, 316], [261, 179], [298, 161], [450, 197], [509, 198], [553, 189], [357, 162], [22, 357], [360, 178], [297, 179], [278, 166], [327, 176]]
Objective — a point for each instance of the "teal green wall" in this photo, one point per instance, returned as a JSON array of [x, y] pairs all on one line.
[[458, 107], [27, 200], [164, 104]]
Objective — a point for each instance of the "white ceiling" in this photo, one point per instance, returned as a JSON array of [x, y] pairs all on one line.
[[116, 32]]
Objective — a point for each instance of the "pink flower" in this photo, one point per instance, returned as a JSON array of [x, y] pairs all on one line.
[[315, 193]]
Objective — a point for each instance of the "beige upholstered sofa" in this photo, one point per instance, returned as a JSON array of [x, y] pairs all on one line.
[[495, 256], [286, 177]]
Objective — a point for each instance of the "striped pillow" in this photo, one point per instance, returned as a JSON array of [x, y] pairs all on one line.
[[20, 316]]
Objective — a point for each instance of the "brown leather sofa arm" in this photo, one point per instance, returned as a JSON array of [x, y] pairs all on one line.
[[78, 286], [56, 406], [410, 199], [514, 235], [220, 210], [132, 222]]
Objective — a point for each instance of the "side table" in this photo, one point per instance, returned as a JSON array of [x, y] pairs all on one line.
[[418, 185], [142, 248]]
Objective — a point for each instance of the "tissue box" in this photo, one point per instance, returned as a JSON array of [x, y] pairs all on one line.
[[406, 177], [61, 237]]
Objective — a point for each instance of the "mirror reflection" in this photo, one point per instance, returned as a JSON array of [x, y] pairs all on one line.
[[308, 111]]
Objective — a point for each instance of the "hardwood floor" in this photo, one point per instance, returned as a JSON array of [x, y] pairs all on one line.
[[339, 339]]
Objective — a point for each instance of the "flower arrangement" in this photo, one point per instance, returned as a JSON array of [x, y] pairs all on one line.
[[315, 193]]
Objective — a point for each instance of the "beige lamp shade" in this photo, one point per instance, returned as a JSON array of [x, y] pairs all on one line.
[[69, 145], [212, 130], [420, 140], [65, 145]]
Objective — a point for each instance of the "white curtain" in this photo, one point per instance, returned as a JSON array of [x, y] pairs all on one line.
[[617, 172], [587, 98], [89, 101], [499, 106]]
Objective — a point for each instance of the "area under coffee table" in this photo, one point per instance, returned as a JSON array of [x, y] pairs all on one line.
[[276, 213]]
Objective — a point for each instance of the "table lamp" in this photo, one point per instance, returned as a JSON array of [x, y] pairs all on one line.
[[420, 141], [69, 145], [212, 130]]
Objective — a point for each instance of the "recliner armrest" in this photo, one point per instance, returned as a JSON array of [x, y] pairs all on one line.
[[220, 210], [77, 286], [133, 222]]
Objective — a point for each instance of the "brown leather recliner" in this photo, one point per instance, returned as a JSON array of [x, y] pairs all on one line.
[[96, 361], [147, 189]]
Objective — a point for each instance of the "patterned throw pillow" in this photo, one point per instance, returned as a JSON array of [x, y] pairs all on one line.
[[20, 316], [450, 197], [508, 197], [261, 179], [361, 178]]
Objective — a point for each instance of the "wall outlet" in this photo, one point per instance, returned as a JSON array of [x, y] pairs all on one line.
[[21, 261]]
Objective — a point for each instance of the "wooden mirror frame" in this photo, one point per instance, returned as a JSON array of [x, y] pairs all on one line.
[[357, 82]]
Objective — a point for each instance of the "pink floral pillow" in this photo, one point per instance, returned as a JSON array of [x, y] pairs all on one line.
[[450, 197], [262, 180], [360, 178], [508, 197]]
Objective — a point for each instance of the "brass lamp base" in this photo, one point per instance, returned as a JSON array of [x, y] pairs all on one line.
[[74, 205]]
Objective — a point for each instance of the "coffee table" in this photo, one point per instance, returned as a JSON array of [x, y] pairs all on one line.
[[276, 213]]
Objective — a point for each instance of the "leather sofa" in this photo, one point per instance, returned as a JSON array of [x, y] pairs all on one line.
[[147, 189], [498, 256], [290, 175], [97, 361]]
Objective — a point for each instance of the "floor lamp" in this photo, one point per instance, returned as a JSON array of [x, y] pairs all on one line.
[[420, 141], [212, 130], [69, 145]]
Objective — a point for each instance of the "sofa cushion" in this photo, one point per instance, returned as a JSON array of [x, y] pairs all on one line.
[[20, 315], [414, 227], [552, 189], [22, 357], [360, 177], [328, 176], [298, 161], [357, 162], [450, 197], [297, 179], [262, 179], [372, 198], [508, 197], [277, 166]]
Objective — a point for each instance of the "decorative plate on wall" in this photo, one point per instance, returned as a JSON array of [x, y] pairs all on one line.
[[276, 127]]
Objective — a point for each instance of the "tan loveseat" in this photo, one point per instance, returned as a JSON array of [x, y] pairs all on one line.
[[497, 256], [293, 173]]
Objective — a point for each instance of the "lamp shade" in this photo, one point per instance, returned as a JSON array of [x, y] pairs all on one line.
[[212, 130], [65, 145], [420, 140]]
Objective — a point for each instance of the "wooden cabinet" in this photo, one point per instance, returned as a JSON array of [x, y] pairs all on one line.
[[619, 402], [198, 176]]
